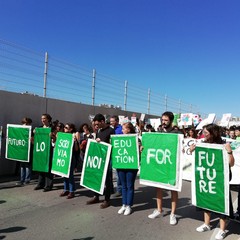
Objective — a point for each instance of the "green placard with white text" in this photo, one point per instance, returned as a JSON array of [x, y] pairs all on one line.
[[62, 154], [18, 142], [125, 151], [161, 160], [95, 165], [41, 149], [210, 184]]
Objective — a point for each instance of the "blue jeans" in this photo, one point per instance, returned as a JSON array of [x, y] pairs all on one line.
[[26, 172], [69, 183], [127, 178], [119, 185]]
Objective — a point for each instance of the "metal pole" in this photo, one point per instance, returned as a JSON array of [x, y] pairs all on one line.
[[93, 87], [125, 96], [148, 109], [180, 105], [166, 102], [45, 75]]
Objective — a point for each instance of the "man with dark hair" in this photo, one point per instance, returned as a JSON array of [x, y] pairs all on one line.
[[114, 122], [45, 179], [166, 127], [99, 117], [103, 135]]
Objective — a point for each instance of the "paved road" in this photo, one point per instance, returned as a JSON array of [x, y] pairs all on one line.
[[36, 215]]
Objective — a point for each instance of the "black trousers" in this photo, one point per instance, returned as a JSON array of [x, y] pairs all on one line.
[[45, 180], [108, 185]]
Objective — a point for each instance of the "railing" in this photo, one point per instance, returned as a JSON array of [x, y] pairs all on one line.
[[30, 72]]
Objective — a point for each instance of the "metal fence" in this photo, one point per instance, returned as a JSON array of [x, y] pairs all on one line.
[[29, 72]]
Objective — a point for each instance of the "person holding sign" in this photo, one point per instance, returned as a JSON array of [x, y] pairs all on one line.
[[127, 178], [45, 179], [26, 168], [212, 134], [103, 135], [166, 127], [69, 183], [114, 122], [85, 133]]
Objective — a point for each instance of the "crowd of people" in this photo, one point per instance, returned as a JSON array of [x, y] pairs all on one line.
[[101, 129]]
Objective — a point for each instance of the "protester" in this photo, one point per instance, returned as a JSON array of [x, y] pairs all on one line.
[[149, 128], [191, 133], [56, 127], [85, 133], [237, 137], [226, 132], [103, 135], [212, 134], [232, 134], [69, 183], [114, 122], [45, 179], [237, 133], [166, 127], [60, 127], [127, 178], [26, 167]]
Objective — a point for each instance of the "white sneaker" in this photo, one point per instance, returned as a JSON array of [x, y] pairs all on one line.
[[203, 228], [220, 235], [173, 220], [122, 209], [155, 214], [128, 211]]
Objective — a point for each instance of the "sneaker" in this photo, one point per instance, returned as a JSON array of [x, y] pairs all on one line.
[[155, 214], [173, 220], [203, 228], [128, 211], [122, 209], [220, 235]]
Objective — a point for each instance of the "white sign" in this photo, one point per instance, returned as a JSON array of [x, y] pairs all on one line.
[[210, 119]]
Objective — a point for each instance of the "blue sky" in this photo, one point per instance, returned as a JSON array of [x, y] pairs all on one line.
[[187, 49]]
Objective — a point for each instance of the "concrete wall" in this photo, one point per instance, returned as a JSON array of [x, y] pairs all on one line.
[[15, 106]]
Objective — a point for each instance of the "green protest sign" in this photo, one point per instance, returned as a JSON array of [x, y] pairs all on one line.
[[125, 151], [18, 142], [176, 117], [210, 184], [41, 149], [161, 160], [95, 165], [62, 154]]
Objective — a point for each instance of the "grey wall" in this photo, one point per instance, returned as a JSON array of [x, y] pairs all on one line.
[[15, 106]]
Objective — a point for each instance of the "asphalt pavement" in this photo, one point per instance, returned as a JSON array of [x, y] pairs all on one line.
[[37, 215]]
